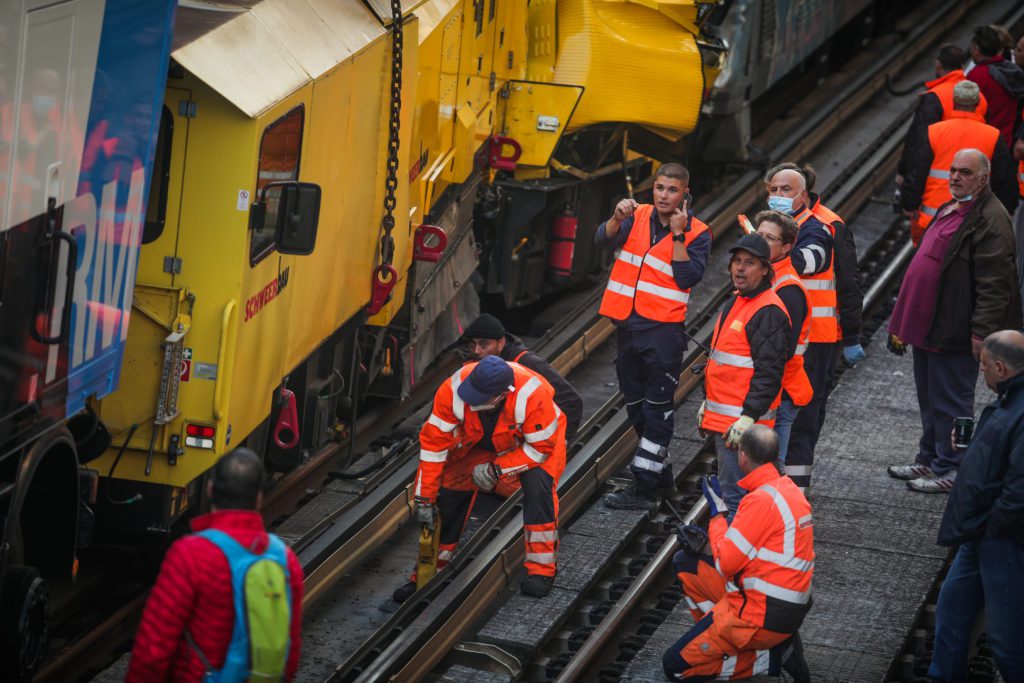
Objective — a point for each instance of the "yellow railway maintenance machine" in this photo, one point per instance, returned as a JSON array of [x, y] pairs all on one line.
[[453, 152]]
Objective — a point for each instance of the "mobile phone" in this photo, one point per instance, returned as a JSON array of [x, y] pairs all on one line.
[[687, 200]]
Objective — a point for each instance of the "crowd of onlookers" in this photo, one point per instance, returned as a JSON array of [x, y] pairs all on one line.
[[961, 179]]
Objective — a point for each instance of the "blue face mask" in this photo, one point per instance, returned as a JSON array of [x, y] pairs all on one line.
[[43, 104], [782, 204]]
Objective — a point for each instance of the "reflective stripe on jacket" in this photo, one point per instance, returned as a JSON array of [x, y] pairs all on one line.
[[942, 87], [767, 554], [530, 431], [731, 365], [821, 291], [642, 274], [795, 381], [963, 129]]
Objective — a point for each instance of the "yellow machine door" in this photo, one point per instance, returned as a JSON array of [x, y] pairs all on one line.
[[158, 260]]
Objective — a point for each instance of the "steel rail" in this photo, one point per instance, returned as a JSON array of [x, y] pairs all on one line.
[[469, 588], [631, 600]]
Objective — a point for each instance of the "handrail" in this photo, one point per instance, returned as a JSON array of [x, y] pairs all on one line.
[[225, 360]]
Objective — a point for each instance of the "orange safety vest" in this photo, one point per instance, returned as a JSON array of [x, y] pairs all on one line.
[[767, 554], [821, 288], [795, 381], [962, 130], [942, 87], [530, 432], [642, 274], [731, 366]]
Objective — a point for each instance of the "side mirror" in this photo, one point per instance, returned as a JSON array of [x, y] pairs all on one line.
[[293, 210]]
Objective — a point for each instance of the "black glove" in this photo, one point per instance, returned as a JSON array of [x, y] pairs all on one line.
[[895, 345], [692, 538]]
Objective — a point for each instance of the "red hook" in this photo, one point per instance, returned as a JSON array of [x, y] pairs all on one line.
[[384, 279], [286, 431]]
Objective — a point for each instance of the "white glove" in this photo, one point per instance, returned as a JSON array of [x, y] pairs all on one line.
[[425, 514], [732, 436]]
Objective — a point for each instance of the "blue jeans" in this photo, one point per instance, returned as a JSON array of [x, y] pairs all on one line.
[[784, 417], [986, 574], [729, 473]]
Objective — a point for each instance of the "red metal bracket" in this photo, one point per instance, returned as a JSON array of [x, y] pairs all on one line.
[[429, 243], [499, 161], [384, 279]]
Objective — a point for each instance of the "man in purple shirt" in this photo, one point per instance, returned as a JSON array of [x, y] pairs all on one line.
[[961, 286]]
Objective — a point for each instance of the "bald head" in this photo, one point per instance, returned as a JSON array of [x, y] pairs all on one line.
[[1002, 357], [760, 445], [791, 177], [968, 174]]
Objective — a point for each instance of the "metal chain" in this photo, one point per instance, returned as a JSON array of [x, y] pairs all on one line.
[[387, 243]]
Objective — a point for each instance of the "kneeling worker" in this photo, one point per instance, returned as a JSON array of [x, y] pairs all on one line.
[[493, 421], [486, 336], [750, 596]]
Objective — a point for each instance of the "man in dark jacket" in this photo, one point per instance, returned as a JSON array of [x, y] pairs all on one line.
[[960, 287], [931, 108], [190, 613], [486, 336], [985, 518], [749, 365], [1000, 81]]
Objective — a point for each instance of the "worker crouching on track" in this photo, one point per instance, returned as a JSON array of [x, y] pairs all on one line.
[[486, 336], [751, 594], [493, 422], [664, 250], [749, 350]]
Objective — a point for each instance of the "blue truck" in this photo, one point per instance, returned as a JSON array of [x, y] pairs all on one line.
[[81, 90]]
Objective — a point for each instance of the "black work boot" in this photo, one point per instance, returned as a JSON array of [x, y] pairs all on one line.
[[404, 592], [634, 497], [537, 586], [795, 664]]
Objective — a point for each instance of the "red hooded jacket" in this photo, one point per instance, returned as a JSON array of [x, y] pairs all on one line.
[[193, 592]]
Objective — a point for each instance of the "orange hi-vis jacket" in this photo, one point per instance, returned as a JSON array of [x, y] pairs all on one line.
[[767, 554], [795, 381], [731, 366], [942, 87], [530, 432], [821, 288], [961, 130], [642, 274]]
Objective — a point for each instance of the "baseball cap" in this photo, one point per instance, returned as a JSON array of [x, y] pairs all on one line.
[[756, 245], [490, 377]]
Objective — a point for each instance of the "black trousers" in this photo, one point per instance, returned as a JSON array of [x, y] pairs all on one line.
[[648, 364], [820, 362]]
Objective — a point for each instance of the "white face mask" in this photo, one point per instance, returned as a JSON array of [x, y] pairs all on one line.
[[781, 204]]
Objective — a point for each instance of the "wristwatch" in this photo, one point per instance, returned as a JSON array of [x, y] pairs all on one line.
[[681, 237]]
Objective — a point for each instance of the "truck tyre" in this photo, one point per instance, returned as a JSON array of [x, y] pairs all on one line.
[[24, 622]]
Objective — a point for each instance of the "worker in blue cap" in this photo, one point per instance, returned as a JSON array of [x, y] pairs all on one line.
[[493, 425]]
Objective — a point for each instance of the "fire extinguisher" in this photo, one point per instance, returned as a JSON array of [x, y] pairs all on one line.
[[561, 247]]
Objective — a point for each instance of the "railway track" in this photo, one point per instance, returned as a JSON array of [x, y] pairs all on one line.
[[411, 644], [344, 537]]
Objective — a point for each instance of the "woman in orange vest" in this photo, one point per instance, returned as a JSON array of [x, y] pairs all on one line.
[[814, 256], [749, 350], [664, 249], [780, 231]]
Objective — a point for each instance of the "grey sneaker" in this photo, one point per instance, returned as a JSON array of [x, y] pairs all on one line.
[[934, 483], [909, 472]]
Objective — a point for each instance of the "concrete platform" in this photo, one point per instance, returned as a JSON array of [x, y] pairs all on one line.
[[875, 547]]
